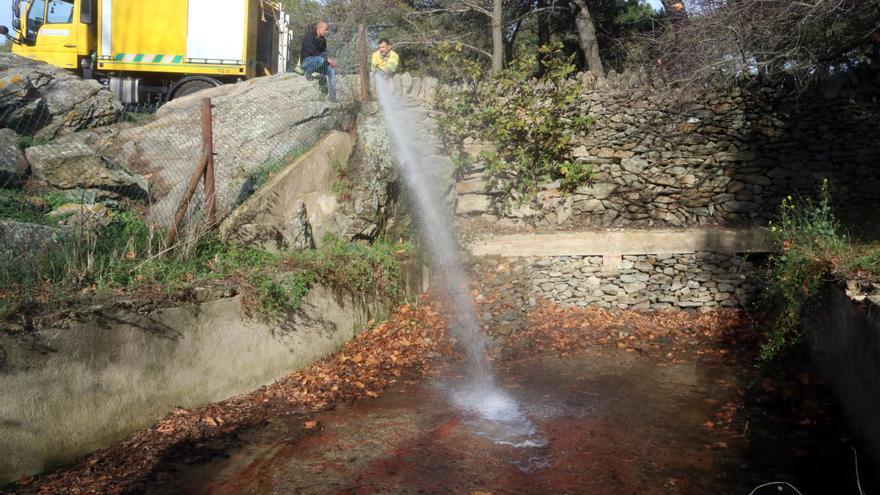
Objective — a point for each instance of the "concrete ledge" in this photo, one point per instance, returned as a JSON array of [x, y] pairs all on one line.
[[68, 391], [626, 242]]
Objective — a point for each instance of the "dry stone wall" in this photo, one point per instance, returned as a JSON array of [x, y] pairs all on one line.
[[724, 158], [657, 282]]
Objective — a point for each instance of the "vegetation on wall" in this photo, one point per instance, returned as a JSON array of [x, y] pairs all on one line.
[[532, 124], [815, 250]]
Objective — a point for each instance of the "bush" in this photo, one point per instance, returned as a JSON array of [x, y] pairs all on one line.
[[533, 123], [812, 242]]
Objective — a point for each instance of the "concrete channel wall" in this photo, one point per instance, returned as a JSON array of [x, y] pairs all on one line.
[[700, 268], [844, 339], [69, 391]]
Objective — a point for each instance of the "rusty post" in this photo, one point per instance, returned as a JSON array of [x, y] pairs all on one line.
[[208, 152], [184, 202], [365, 91]]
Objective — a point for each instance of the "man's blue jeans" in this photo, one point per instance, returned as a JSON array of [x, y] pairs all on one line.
[[317, 64]]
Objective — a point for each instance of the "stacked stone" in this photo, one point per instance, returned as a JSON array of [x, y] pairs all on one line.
[[724, 157], [659, 282]]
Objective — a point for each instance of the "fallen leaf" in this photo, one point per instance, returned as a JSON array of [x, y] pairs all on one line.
[[310, 425]]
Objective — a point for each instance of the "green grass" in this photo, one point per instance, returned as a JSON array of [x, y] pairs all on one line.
[[30, 141], [123, 257], [19, 207]]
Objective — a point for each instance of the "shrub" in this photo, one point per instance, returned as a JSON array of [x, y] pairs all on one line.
[[811, 241], [533, 124]]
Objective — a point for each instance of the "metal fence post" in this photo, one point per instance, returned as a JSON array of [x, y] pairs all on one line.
[[362, 35], [208, 150], [205, 168]]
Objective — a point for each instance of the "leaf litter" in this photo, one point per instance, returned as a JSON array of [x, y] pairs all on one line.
[[395, 350]]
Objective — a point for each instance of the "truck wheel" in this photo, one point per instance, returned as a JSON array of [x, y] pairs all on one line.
[[189, 86]]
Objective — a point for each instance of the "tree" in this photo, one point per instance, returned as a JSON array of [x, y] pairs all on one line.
[[587, 35], [781, 41]]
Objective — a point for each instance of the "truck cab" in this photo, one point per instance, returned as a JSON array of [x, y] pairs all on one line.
[[59, 32]]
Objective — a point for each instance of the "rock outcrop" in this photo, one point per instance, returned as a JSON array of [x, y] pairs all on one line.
[[37, 99], [23, 244], [258, 123], [74, 167], [13, 165], [369, 182], [297, 207], [343, 186]]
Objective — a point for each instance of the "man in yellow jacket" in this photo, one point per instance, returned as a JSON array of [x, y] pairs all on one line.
[[385, 60]]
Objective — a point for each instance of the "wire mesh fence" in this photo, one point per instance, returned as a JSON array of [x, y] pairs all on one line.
[[70, 172]]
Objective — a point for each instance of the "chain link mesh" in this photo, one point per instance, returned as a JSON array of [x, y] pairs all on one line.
[[77, 168]]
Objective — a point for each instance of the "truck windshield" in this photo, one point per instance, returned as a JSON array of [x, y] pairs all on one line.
[[60, 12], [36, 17]]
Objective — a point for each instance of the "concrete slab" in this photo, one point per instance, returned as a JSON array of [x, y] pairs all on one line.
[[626, 242]]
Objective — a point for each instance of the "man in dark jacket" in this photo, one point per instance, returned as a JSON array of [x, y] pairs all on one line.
[[313, 56]]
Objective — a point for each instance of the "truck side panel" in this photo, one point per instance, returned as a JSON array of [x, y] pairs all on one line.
[[216, 31], [152, 36], [156, 27]]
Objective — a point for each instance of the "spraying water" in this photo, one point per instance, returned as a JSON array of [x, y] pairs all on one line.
[[494, 414]]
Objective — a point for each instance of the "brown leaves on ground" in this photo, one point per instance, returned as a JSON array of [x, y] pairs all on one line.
[[667, 334], [365, 366]]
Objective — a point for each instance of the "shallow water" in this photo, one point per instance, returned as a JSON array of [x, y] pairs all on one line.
[[614, 422]]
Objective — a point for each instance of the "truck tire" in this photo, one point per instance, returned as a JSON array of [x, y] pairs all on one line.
[[190, 85]]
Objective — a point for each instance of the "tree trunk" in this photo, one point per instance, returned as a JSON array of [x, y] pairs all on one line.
[[587, 34], [543, 34], [497, 37]]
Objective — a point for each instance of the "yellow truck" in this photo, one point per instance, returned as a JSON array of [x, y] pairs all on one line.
[[150, 51]]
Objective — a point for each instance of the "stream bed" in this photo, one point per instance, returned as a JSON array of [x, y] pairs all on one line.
[[614, 422]]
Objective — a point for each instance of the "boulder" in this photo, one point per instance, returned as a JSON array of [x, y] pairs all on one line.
[[44, 101], [83, 217], [297, 207], [13, 165], [257, 124], [72, 165], [23, 246], [371, 189]]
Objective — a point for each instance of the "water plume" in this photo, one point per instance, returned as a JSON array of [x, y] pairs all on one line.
[[492, 412]]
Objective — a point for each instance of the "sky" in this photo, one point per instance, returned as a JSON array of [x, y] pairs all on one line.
[[6, 11], [655, 4]]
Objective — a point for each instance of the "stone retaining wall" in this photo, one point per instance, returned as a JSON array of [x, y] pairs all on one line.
[[723, 158], [667, 269], [657, 282]]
